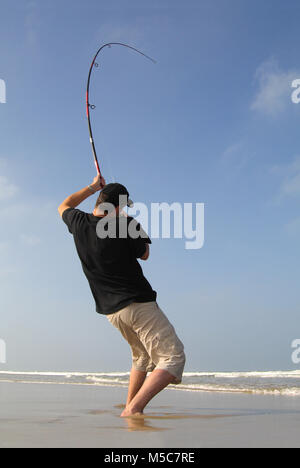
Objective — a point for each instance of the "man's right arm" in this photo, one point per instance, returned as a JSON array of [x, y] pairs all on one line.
[[139, 243]]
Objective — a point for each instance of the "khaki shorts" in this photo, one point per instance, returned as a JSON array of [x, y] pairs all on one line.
[[152, 338]]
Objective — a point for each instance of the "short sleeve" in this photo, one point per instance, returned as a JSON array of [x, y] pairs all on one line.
[[73, 219], [139, 243]]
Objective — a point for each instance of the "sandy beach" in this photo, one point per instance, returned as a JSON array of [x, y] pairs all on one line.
[[51, 415]]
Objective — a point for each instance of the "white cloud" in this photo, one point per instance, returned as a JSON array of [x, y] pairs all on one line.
[[236, 156], [2, 91], [231, 150], [290, 173], [275, 91], [7, 189], [291, 186], [288, 176]]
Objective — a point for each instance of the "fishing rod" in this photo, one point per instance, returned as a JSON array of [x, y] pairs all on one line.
[[92, 106]]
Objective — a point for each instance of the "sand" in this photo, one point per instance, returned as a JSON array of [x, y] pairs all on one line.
[[67, 416]]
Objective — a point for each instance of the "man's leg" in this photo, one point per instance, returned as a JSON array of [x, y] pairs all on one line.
[[153, 343], [137, 378], [165, 350], [155, 383]]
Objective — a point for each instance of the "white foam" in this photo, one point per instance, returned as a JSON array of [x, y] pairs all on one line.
[[295, 391], [234, 375], [64, 374], [283, 383]]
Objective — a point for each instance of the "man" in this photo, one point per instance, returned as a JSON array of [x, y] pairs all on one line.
[[120, 290]]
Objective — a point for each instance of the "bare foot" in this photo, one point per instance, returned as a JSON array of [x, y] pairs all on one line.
[[129, 413]]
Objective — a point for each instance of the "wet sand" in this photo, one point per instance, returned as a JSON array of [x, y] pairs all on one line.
[[44, 415]]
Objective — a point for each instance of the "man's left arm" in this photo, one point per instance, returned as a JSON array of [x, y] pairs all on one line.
[[77, 198]]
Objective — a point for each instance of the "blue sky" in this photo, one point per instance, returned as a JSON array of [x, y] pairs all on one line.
[[212, 122]]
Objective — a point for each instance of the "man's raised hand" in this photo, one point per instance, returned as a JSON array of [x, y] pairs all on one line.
[[98, 183]]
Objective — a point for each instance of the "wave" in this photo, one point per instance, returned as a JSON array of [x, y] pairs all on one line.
[[262, 374], [293, 391], [66, 374], [285, 383]]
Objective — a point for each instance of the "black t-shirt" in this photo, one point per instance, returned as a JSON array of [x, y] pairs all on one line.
[[110, 264]]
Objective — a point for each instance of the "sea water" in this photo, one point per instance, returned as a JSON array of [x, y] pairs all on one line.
[[285, 383]]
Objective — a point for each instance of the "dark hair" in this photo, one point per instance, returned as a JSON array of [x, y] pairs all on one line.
[[115, 194], [107, 205], [101, 199]]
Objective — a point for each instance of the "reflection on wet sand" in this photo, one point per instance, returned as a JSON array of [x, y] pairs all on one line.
[[143, 422], [98, 412], [183, 416]]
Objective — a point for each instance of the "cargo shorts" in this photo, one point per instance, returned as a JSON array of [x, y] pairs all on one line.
[[153, 340]]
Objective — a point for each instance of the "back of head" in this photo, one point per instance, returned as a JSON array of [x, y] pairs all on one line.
[[115, 194]]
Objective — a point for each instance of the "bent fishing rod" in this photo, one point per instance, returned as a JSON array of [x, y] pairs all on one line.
[[92, 106]]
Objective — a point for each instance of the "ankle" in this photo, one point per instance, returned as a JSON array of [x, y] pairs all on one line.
[[133, 408]]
